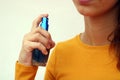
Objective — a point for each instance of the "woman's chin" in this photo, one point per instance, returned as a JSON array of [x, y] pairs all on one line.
[[90, 13], [85, 13]]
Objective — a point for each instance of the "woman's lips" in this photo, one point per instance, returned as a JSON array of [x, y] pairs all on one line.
[[84, 1]]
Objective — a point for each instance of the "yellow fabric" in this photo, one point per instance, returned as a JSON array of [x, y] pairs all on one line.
[[74, 60], [25, 72]]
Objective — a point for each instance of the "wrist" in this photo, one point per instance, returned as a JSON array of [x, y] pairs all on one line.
[[26, 62]]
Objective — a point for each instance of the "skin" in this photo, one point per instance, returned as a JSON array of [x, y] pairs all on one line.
[[100, 20]]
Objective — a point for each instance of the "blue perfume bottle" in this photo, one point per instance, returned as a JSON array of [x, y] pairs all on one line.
[[38, 58]]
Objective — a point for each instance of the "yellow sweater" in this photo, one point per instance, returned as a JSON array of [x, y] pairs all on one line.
[[74, 60]]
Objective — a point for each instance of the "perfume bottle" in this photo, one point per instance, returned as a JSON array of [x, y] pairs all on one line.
[[38, 58]]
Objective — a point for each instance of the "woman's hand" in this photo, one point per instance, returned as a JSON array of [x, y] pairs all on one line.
[[36, 38]]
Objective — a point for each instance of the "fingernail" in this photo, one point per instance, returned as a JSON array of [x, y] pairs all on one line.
[[48, 47], [46, 53]]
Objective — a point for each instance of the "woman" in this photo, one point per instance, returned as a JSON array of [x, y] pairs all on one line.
[[92, 55]]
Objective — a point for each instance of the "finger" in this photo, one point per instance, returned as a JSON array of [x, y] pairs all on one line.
[[43, 32], [37, 45], [52, 44], [37, 37], [38, 20]]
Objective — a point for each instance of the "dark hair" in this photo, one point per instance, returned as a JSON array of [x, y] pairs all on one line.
[[115, 42]]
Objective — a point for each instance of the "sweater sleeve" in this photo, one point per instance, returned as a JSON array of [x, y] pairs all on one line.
[[23, 72]]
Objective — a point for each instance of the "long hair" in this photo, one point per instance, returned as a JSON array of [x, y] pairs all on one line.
[[115, 42]]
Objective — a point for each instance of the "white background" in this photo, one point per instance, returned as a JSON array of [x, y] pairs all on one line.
[[16, 17]]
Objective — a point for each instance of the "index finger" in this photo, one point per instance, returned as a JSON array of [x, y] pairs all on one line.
[[38, 20]]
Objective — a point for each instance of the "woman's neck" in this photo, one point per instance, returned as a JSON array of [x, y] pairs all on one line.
[[97, 29]]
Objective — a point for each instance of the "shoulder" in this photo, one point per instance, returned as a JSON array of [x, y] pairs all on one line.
[[67, 44]]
